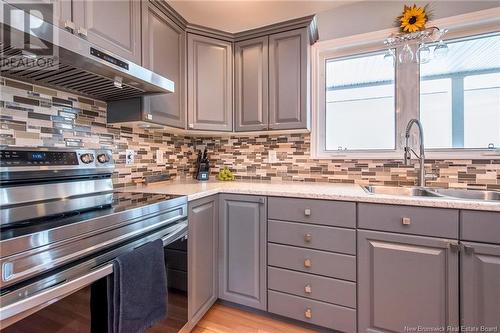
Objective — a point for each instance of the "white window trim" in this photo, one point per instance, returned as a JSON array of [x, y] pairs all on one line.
[[475, 23]]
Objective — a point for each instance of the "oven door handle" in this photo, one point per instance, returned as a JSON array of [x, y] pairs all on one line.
[[181, 232], [11, 313]]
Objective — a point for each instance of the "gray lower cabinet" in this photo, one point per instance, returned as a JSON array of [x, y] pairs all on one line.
[[202, 256], [480, 284], [406, 281], [163, 52], [242, 250], [288, 79], [113, 25], [210, 73], [251, 84], [477, 226], [314, 312]]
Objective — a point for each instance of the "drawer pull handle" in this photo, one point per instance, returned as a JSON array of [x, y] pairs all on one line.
[[308, 289], [406, 221], [307, 263], [307, 212], [308, 314], [307, 238]]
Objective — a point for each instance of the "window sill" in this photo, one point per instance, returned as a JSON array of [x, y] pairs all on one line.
[[432, 154]]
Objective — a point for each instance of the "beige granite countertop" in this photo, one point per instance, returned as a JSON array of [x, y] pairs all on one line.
[[328, 191]]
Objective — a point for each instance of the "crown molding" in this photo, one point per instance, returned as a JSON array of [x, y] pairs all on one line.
[[298, 23]]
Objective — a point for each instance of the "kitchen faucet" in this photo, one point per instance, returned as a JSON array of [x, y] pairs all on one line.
[[408, 150]]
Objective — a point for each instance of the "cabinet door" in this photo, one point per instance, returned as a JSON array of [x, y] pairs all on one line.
[[57, 12], [406, 281], [202, 256], [480, 285], [242, 250], [163, 52], [288, 79], [251, 84], [113, 25], [210, 99]]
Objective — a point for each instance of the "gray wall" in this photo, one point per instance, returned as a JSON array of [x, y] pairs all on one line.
[[368, 16]]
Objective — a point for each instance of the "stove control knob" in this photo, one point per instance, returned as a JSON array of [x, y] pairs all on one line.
[[87, 158], [103, 158]]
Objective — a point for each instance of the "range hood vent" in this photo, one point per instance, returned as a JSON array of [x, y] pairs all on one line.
[[78, 66], [71, 79]]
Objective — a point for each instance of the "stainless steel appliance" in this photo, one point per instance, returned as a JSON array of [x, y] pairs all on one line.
[[62, 223], [75, 65]]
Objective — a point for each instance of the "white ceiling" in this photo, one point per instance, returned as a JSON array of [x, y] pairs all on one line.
[[239, 15]]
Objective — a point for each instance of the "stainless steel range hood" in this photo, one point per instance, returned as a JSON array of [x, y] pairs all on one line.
[[76, 65]]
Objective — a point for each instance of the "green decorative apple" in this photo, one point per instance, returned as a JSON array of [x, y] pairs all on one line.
[[225, 174]]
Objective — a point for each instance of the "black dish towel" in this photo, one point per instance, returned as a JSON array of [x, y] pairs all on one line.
[[136, 292]]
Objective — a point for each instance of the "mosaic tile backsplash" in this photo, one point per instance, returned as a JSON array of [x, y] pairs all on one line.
[[36, 116]]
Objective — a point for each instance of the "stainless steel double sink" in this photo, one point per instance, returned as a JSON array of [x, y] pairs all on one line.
[[444, 193]]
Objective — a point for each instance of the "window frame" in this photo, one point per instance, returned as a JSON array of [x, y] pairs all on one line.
[[407, 100], [327, 56]]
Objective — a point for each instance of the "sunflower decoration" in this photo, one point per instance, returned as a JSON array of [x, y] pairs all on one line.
[[413, 18]]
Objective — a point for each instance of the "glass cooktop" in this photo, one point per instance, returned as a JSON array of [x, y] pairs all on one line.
[[75, 209]]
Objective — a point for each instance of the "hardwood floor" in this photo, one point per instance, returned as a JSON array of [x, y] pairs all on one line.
[[72, 315], [224, 319]]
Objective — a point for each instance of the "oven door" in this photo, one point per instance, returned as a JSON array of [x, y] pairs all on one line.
[[60, 302]]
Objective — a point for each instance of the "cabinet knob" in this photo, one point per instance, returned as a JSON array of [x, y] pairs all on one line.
[[307, 212], [307, 238], [308, 314], [468, 249], [307, 263], [69, 26], [406, 221], [308, 289], [82, 32], [453, 246]]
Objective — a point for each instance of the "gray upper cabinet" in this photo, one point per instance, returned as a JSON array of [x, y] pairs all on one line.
[[58, 14], [163, 52], [210, 72], [112, 25], [242, 250], [480, 285], [288, 80], [202, 256], [406, 281], [251, 84]]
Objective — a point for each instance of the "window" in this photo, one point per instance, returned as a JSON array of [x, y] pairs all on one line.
[[460, 95], [435, 112], [366, 99], [360, 102]]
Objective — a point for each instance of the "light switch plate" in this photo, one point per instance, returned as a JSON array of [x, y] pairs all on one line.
[[159, 157], [272, 157], [129, 156]]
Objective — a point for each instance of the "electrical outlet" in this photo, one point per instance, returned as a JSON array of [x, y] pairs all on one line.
[[159, 157], [272, 157], [129, 156]]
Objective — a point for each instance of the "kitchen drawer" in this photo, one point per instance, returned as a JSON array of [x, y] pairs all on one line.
[[315, 312], [333, 213], [480, 226], [312, 286], [336, 265], [312, 236], [436, 222], [176, 259]]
